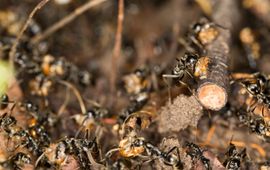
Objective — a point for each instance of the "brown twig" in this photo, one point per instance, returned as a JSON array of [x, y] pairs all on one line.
[[117, 45], [66, 20], [213, 90], [19, 36]]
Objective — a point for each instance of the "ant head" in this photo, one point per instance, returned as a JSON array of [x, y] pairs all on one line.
[[252, 88], [141, 73], [22, 157], [191, 58], [261, 79], [187, 144], [177, 70], [197, 27], [9, 120], [91, 113], [232, 150], [138, 143], [31, 107]]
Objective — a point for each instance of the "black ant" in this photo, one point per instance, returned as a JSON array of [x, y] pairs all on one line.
[[256, 124], [137, 103], [17, 161], [257, 87], [234, 158], [26, 64], [37, 131], [57, 154], [195, 152], [90, 118], [132, 146], [184, 64], [260, 127], [153, 151], [64, 70], [26, 140], [137, 81], [6, 122]]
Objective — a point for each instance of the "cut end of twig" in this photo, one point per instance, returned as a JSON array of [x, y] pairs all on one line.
[[212, 96]]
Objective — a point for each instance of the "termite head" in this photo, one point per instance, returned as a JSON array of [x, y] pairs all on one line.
[[204, 32], [201, 67], [40, 85]]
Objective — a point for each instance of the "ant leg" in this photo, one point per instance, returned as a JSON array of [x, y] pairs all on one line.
[[209, 135], [87, 134], [109, 154], [171, 150], [94, 164], [196, 42], [39, 159], [81, 128], [78, 132], [186, 45], [169, 89], [146, 161], [179, 164], [12, 108], [187, 86], [154, 80], [76, 93], [190, 74], [165, 77], [263, 110], [252, 106], [65, 103]]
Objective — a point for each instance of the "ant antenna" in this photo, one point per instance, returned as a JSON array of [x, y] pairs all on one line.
[[64, 105], [76, 92], [39, 159], [164, 76]]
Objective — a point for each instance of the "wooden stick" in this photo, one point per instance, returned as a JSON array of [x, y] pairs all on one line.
[[28, 21], [66, 20], [213, 90], [117, 45]]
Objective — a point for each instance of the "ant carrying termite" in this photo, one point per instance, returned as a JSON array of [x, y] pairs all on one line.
[[234, 158], [196, 153], [133, 146]]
